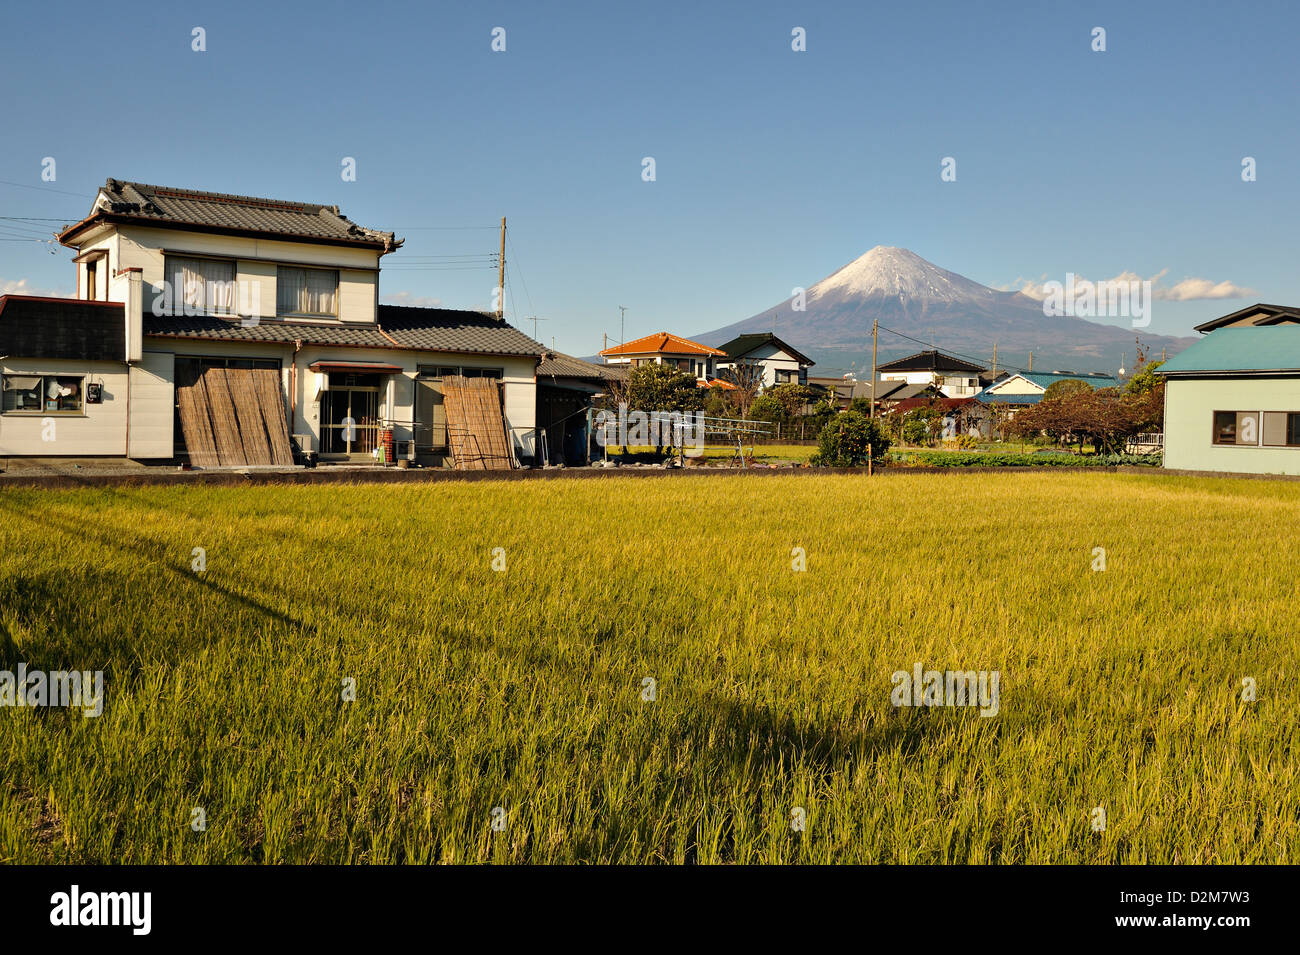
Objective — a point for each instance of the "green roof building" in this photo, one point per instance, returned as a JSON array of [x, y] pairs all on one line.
[[1232, 400]]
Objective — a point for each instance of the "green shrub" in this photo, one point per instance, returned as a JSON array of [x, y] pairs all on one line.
[[844, 441], [961, 459]]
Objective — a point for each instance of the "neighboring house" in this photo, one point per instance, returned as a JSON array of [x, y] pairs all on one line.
[[961, 416], [781, 363], [891, 394], [954, 377], [665, 348], [1022, 389], [675, 351], [260, 313], [1254, 316], [566, 387], [838, 392], [1232, 400]]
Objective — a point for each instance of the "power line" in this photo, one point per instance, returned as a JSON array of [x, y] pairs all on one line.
[[523, 281], [948, 351], [24, 185]]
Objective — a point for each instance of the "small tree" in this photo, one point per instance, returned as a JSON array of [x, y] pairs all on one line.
[[793, 397], [654, 387], [717, 404], [767, 407], [747, 375], [846, 438]]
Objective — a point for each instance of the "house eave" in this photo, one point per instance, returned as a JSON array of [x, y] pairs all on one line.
[[69, 236]]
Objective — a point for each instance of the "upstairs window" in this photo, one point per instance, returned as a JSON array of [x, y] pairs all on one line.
[[91, 280], [200, 286], [307, 291]]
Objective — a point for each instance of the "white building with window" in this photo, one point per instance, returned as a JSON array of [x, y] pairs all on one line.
[[1232, 400], [208, 307], [781, 364], [953, 377]]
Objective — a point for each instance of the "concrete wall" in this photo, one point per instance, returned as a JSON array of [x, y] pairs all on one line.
[[1190, 404]]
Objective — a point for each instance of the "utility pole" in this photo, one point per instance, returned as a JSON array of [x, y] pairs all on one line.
[[501, 275], [875, 330], [995, 361], [622, 334], [1031, 361]]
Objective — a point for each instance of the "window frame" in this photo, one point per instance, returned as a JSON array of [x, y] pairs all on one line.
[[1234, 443], [177, 306], [78, 412], [1292, 426], [298, 313]]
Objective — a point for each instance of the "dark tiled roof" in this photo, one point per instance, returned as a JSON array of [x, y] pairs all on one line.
[[216, 211], [906, 392], [559, 365], [404, 329], [742, 345], [454, 330], [355, 335], [37, 327], [930, 361]]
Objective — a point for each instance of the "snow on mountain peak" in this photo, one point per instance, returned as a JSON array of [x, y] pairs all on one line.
[[892, 272]]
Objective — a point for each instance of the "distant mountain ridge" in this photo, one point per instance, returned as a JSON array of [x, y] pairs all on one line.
[[939, 309]]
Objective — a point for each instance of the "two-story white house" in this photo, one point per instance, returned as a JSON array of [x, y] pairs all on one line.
[[665, 348], [953, 377], [208, 325], [781, 363]]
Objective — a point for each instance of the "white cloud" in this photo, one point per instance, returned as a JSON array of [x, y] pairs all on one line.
[[1187, 290], [406, 298], [20, 287]]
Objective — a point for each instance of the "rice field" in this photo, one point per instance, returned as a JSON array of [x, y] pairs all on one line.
[[634, 671]]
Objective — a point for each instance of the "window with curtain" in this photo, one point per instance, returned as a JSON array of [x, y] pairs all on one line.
[[307, 291], [201, 286]]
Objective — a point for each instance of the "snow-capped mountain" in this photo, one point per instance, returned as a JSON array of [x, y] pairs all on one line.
[[938, 308]]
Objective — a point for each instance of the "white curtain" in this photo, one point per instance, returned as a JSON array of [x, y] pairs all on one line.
[[307, 291], [202, 286]]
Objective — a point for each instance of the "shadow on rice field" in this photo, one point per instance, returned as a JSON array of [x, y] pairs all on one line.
[[611, 671]]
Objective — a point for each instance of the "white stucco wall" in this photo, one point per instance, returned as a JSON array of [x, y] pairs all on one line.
[[256, 261]]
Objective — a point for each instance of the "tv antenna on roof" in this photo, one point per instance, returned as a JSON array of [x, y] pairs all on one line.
[[622, 336]]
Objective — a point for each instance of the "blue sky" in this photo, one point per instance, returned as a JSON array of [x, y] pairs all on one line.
[[773, 167]]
